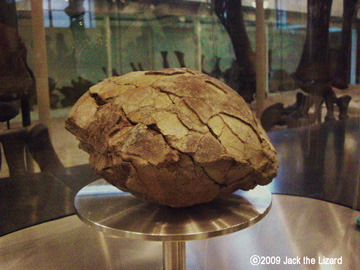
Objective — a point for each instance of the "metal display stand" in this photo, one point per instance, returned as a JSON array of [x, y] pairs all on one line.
[[117, 213]]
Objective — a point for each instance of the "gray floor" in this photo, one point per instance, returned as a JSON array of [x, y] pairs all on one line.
[[296, 227]]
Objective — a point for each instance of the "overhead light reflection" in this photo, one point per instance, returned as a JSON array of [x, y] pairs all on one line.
[[106, 189], [266, 4]]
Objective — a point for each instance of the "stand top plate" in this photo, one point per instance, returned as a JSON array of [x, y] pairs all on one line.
[[120, 214]]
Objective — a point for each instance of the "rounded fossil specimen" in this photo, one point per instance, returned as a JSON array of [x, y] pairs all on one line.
[[173, 136]]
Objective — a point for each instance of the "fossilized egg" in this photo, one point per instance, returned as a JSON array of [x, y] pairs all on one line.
[[175, 137]]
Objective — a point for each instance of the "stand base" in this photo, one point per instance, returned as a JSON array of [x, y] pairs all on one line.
[[118, 213]]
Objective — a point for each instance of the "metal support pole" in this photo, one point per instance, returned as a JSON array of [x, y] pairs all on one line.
[[108, 46], [260, 58], [40, 61], [174, 255], [198, 64], [354, 48]]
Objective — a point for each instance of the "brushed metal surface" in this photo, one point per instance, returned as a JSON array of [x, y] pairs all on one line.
[[295, 226], [174, 255], [120, 214]]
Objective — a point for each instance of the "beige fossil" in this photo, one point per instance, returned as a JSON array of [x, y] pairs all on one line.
[[173, 136]]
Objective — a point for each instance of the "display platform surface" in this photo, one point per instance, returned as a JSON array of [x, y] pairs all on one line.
[[303, 231], [320, 161], [117, 213], [39, 197]]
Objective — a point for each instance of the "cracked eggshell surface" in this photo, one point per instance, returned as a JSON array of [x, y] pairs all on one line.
[[175, 137]]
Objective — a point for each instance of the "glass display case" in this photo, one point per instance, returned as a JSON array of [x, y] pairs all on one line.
[[295, 63], [87, 41]]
